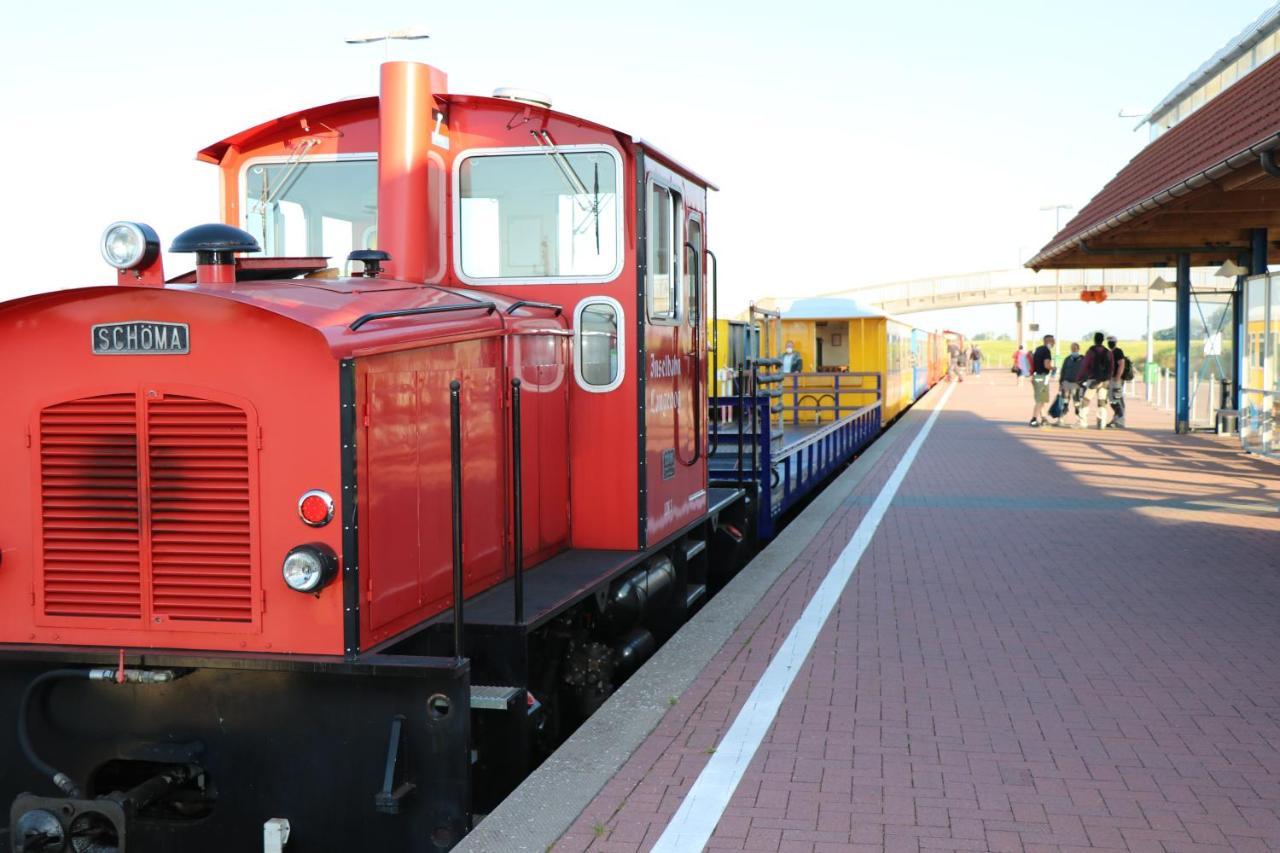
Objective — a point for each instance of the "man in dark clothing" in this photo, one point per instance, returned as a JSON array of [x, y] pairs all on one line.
[[955, 357], [1116, 386], [1041, 370], [1095, 374], [1069, 382]]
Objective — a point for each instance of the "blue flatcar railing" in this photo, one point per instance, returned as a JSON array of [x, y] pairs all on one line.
[[807, 462], [811, 396], [742, 433]]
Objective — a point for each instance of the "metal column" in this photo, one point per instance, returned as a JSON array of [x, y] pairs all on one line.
[[1151, 336], [1182, 346], [1021, 337]]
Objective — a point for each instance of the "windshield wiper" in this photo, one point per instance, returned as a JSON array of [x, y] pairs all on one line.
[[562, 163], [577, 187], [291, 174]]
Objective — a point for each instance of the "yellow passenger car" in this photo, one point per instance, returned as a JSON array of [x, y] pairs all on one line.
[[840, 336]]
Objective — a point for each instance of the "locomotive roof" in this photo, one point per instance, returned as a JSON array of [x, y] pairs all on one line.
[[354, 107]]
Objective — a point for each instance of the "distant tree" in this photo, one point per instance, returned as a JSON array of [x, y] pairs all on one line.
[[984, 336], [1214, 321], [1004, 336]]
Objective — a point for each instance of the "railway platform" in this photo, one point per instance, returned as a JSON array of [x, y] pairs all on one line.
[[981, 636]]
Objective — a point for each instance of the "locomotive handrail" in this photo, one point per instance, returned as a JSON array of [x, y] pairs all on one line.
[[455, 465], [528, 303], [698, 376], [488, 307], [715, 343], [517, 498]]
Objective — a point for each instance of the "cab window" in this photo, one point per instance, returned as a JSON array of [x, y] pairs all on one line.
[[694, 264], [541, 215], [665, 212], [309, 208], [599, 333]]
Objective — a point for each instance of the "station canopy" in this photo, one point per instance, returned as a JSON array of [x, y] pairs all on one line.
[[1197, 189]]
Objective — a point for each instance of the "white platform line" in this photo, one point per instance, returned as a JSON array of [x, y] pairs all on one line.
[[691, 827]]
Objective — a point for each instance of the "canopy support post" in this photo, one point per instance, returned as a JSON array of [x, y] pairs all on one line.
[[1182, 346]]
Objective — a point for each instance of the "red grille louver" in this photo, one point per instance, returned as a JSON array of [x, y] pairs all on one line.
[[201, 545], [168, 538], [89, 503]]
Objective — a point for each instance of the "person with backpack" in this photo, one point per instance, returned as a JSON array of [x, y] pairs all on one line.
[[1041, 370], [1069, 384], [1121, 372], [1095, 374]]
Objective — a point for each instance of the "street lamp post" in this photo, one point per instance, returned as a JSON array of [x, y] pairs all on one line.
[[1057, 281]]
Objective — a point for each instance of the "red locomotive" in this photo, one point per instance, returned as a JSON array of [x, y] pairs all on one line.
[[339, 532]]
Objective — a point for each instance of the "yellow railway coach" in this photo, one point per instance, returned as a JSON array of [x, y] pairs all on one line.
[[834, 336]]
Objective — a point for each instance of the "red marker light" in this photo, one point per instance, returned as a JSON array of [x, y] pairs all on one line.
[[316, 508]]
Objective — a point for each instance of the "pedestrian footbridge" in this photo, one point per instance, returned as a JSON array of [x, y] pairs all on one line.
[[1016, 286]]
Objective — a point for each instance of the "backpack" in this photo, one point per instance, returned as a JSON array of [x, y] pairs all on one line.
[[1128, 370], [1100, 369]]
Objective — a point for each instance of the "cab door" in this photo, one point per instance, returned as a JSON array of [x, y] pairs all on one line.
[[675, 467], [690, 442]]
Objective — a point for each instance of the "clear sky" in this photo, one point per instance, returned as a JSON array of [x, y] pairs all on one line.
[[854, 142]]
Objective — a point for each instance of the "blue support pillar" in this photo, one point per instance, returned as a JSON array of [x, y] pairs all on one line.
[[1182, 346]]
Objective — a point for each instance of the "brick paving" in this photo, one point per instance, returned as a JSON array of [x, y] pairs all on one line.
[[1058, 640]]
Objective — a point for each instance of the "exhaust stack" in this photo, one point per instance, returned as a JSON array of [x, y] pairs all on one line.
[[406, 119]]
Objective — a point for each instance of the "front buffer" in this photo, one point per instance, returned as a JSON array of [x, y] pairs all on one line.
[[197, 754]]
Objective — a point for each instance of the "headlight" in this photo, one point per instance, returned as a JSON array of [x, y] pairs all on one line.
[[308, 568], [126, 245]]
